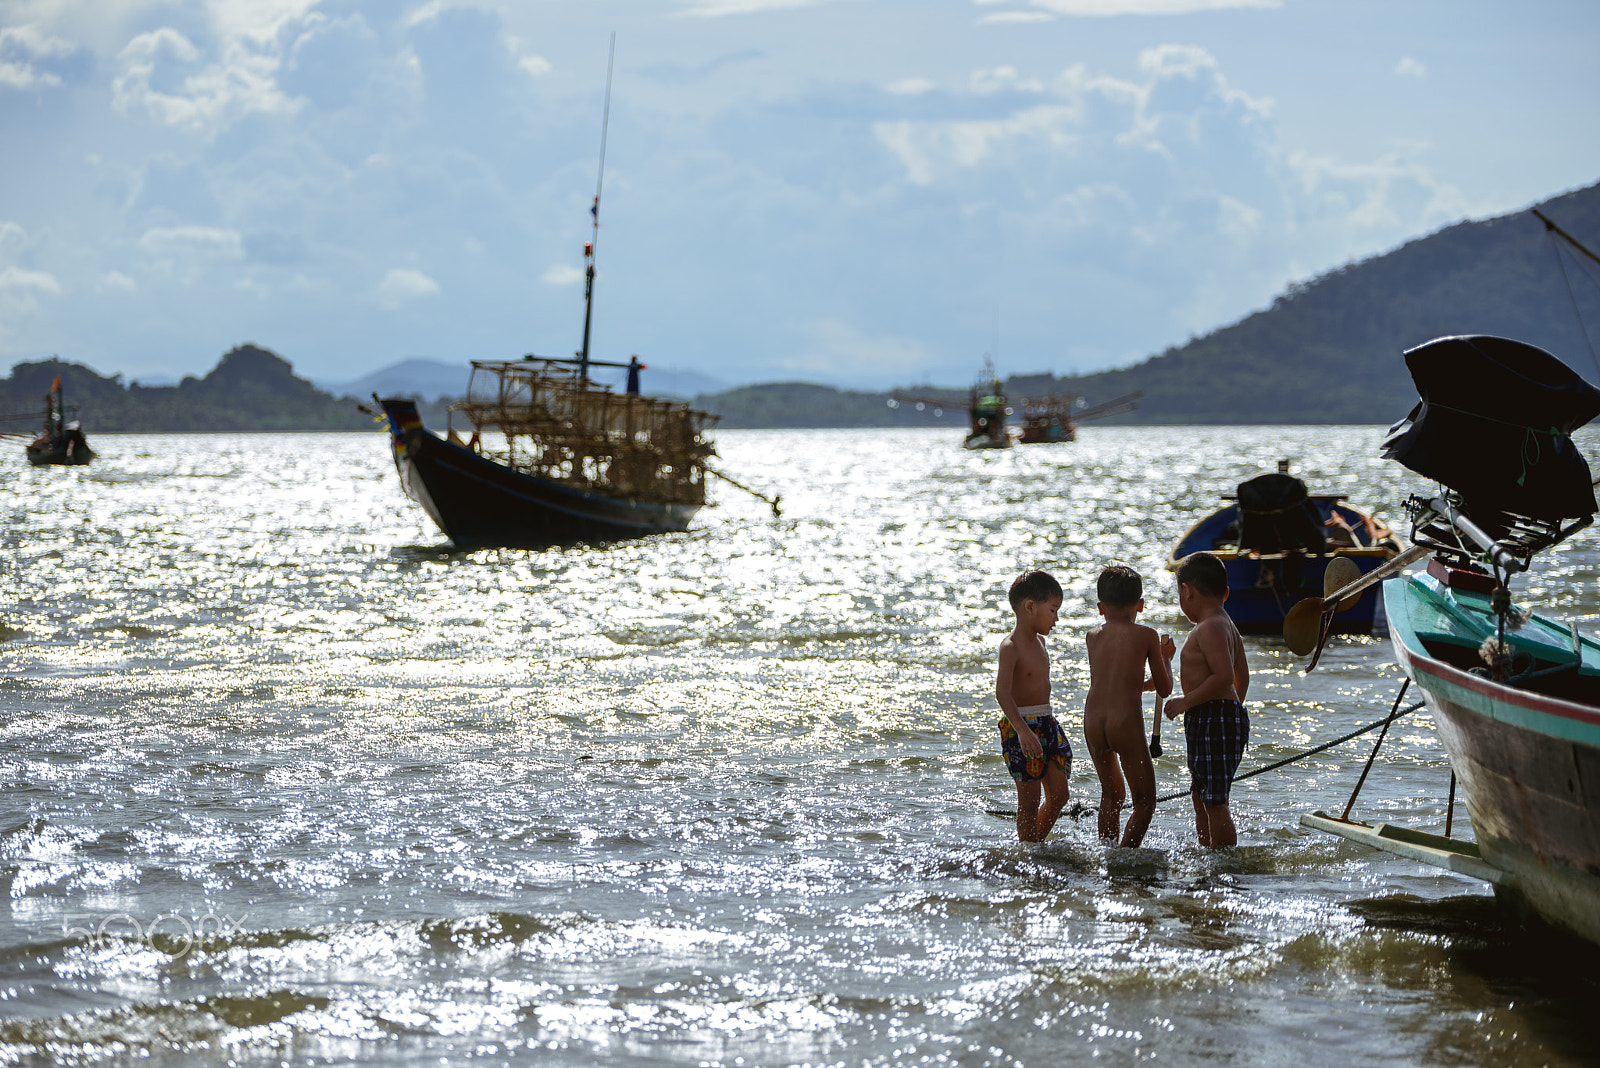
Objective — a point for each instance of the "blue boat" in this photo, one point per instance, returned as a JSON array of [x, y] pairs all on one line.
[[1276, 539]]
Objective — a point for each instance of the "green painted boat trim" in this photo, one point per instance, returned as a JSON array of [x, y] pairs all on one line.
[[1421, 608]]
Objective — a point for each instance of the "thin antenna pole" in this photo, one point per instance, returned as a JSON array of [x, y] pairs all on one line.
[[594, 210]]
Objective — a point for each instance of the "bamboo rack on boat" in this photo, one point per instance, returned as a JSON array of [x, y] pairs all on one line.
[[556, 424]]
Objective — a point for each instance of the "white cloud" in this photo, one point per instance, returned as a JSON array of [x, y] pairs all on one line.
[[1411, 68], [561, 274], [1109, 8], [192, 244], [118, 280], [402, 284], [530, 62], [16, 280], [209, 96], [1001, 79], [715, 8], [1018, 16], [909, 87], [20, 46]]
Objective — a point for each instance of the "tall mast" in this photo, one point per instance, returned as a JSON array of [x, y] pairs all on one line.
[[594, 210]]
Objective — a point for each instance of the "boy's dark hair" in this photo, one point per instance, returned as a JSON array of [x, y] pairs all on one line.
[[1119, 586], [1205, 573], [1034, 586]]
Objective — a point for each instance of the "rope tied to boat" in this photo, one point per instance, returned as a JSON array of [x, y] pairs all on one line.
[[1079, 811]]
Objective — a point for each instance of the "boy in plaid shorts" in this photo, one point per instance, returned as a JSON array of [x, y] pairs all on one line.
[[1214, 677]]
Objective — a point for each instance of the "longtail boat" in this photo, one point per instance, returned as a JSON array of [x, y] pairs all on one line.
[[551, 457], [1515, 693], [1276, 540], [61, 440]]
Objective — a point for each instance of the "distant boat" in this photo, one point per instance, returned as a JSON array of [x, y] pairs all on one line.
[[60, 441], [1045, 419], [1515, 694], [1055, 417], [1276, 540], [552, 458]]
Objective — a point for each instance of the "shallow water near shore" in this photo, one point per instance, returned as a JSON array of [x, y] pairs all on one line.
[[288, 781]]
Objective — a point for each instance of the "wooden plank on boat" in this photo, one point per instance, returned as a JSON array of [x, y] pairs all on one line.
[[1448, 853]]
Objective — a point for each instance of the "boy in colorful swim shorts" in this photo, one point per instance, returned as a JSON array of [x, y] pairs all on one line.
[[1214, 677], [1035, 747], [1120, 651]]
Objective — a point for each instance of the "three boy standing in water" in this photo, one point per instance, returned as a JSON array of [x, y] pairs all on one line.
[[1213, 674]]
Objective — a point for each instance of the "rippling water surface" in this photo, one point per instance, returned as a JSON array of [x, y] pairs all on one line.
[[287, 781]]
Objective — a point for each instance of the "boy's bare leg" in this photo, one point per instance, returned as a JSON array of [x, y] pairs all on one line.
[[1202, 820], [1142, 785], [1111, 792], [1055, 799], [1027, 811], [1222, 829]]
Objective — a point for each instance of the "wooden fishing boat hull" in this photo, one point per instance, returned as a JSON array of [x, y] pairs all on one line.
[[1262, 587], [1528, 763], [477, 502], [65, 451]]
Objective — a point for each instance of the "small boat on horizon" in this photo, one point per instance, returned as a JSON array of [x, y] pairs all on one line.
[[1276, 539], [61, 441]]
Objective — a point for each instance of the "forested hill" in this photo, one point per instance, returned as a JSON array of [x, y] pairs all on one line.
[[1329, 351], [249, 389]]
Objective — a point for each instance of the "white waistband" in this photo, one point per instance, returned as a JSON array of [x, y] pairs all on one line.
[[1034, 711]]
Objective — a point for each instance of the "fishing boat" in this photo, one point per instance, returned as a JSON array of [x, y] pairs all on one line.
[[987, 411], [1276, 539], [61, 440], [1515, 694], [1047, 419], [546, 455], [1055, 417]]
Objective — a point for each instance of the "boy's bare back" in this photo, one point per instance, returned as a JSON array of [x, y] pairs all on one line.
[[1119, 653], [1214, 653]]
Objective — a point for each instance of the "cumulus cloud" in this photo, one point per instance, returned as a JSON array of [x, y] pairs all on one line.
[[162, 73], [715, 8], [403, 285], [1411, 68], [561, 274], [910, 86], [1111, 8], [21, 50], [192, 244], [16, 280]]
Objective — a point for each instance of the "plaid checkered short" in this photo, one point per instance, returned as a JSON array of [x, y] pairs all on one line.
[[1216, 733]]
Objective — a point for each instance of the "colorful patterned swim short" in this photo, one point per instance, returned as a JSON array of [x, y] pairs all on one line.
[[1216, 733], [1052, 739]]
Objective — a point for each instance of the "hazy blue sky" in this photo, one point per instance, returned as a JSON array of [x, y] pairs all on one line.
[[867, 192]]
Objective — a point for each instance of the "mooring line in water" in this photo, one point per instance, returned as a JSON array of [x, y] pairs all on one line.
[[1079, 811]]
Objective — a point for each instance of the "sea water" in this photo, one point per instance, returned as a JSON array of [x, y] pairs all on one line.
[[286, 780]]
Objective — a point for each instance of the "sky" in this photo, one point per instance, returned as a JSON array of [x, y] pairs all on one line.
[[866, 193]]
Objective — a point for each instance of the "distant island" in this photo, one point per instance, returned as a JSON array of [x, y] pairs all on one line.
[[1326, 351]]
